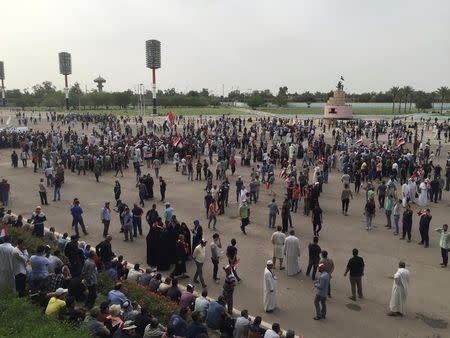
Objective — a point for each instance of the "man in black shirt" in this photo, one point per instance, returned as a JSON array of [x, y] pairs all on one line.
[[314, 257], [232, 258], [104, 251], [424, 226], [137, 219], [356, 267]]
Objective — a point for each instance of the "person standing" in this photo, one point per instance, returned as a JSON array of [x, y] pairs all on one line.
[[424, 226], [89, 275], [355, 266], [285, 215], [7, 264], [292, 253], [137, 219], [345, 198], [38, 217], [77, 217], [388, 207], [43, 192], [329, 267], [269, 288], [232, 258], [215, 255], [407, 222], [20, 260], [273, 212], [156, 166], [127, 224], [57, 184], [314, 257], [444, 244], [104, 251], [199, 258], [381, 191], [105, 217], [277, 240], [322, 287], [162, 188], [212, 214], [229, 285], [396, 215], [397, 304], [117, 190]]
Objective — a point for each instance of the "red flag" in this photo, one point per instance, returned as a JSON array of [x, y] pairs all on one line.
[[176, 140], [171, 117], [400, 142]]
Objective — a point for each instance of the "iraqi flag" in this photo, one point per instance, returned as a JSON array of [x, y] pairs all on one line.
[[359, 141], [176, 140], [170, 117], [400, 142]]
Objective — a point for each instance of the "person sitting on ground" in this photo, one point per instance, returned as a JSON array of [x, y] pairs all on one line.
[[142, 320], [115, 318], [135, 274], [174, 293], [202, 303], [187, 298], [146, 277], [95, 325], [255, 330], [274, 332], [128, 330], [116, 296], [130, 310], [215, 312], [178, 322], [56, 302], [50, 235], [241, 325], [153, 330], [163, 287], [196, 327], [62, 241], [155, 282], [290, 334], [70, 313]]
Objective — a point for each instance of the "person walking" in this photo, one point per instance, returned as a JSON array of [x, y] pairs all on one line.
[[269, 288], [407, 222], [117, 190], [292, 253], [212, 214], [396, 215], [232, 257], [369, 211], [137, 219], [397, 304], [355, 266], [57, 184], [127, 217], [329, 267], [105, 217], [162, 188], [424, 226], [388, 207], [273, 212], [244, 213], [285, 214], [345, 198], [199, 258], [43, 192], [314, 257], [317, 219], [444, 244], [322, 287], [89, 275], [215, 246], [77, 217], [277, 240]]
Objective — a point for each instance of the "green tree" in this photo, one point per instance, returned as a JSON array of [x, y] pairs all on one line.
[[53, 100], [40, 90], [282, 96], [255, 100], [75, 95], [25, 100], [394, 92], [123, 99], [407, 93], [443, 93], [423, 100]]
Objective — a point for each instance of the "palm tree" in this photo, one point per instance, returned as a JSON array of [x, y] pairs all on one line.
[[407, 91], [394, 91], [443, 93], [400, 96], [411, 98]]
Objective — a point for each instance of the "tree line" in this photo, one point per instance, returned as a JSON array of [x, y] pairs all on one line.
[[47, 96]]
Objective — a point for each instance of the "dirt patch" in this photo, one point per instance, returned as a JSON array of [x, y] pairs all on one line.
[[432, 322], [353, 307]]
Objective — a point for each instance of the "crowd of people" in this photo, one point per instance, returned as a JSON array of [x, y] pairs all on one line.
[[296, 153]]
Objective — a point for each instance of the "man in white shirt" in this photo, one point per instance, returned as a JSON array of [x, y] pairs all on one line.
[[202, 303], [135, 274], [199, 258], [20, 259]]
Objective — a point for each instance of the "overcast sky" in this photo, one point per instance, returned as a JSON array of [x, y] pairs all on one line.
[[249, 44]]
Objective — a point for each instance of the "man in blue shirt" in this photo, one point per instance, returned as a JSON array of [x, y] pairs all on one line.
[[39, 266], [320, 301], [215, 313], [178, 324], [116, 296], [77, 213], [168, 213]]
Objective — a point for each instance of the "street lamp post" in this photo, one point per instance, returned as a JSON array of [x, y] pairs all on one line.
[[153, 61], [2, 77], [65, 68]]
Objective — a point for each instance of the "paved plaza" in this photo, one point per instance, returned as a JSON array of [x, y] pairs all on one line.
[[428, 299]]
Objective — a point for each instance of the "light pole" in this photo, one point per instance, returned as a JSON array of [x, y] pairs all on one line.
[[65, 68], [153, 61], [2, 77], [141, 86]]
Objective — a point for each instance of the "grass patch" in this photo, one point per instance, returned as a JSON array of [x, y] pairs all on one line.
[[20, 318]]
